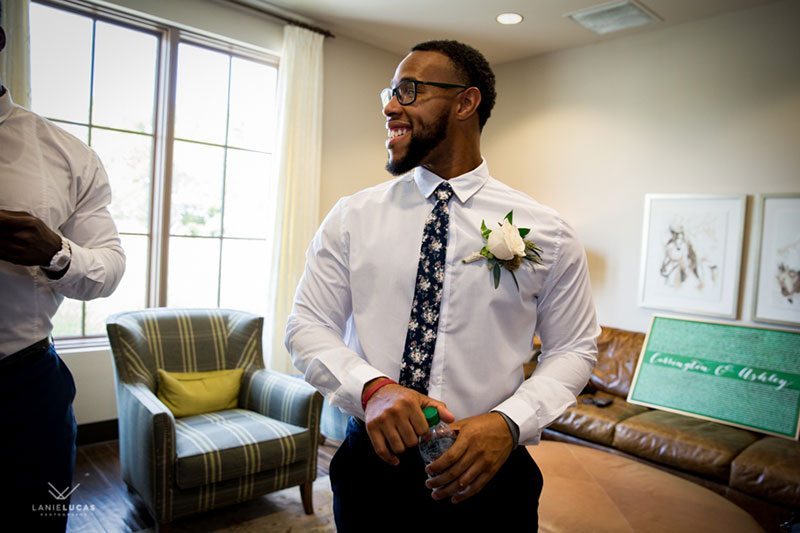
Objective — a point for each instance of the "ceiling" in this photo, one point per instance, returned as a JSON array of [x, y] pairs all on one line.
[[395, 25]]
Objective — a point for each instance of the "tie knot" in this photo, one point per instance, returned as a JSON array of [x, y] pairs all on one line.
[[443, 192]]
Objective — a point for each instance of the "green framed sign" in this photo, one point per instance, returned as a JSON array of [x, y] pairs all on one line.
[[743, 376]]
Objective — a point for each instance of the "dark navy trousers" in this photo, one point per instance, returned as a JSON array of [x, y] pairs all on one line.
[[371, 495], [37, 446]]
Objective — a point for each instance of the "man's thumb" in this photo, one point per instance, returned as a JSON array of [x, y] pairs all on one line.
[[444, 413]]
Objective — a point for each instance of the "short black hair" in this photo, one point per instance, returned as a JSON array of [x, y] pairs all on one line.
[[471, 66]]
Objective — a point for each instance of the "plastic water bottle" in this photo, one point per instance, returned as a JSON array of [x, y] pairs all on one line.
[[438, 439]]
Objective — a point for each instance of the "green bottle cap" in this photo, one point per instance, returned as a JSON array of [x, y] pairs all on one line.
[[431, 415]]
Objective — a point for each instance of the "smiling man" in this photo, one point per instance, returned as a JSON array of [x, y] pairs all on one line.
[[390, 318]]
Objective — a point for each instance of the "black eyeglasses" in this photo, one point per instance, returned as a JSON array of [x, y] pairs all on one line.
[[406, 90]]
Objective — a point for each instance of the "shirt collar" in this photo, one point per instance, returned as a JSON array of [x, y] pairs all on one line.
[[464, 186], [7, 105]]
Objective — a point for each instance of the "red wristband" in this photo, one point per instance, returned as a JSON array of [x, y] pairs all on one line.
[[375, 387]]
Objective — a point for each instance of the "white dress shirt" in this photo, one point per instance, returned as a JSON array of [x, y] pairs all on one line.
[[50, 174], [353, 303]]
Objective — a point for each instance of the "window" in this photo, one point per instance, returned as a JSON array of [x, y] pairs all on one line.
[[222, 154], [198, 232]]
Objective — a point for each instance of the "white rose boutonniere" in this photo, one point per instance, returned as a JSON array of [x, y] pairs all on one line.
[[505, 243], [506, 247]]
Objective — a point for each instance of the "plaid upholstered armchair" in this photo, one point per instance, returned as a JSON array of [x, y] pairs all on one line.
[[186, 465]]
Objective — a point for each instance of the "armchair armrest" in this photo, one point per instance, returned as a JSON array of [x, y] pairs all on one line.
[[146, 446], [282, 397]]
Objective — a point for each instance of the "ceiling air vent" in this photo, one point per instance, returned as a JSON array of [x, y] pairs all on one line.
[[615, 16]]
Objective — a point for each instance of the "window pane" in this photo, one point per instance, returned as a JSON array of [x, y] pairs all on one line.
[[202, 99], [196, 189], [61, 59], [127, 160], [249, 195], [252, 113], [67, 321], [193, 272], [244, 286], [131, 293], [81, 132], [124, 78]]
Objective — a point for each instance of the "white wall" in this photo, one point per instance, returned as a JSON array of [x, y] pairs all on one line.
[[354, 132], [93, 372], [711, 106]]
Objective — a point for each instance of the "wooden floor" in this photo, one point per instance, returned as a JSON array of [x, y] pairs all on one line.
[[117, 510]]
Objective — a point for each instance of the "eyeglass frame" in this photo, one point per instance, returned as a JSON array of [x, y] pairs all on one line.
[[393, 90]]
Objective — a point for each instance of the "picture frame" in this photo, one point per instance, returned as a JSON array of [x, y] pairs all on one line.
[[692, 253], [776, 297]]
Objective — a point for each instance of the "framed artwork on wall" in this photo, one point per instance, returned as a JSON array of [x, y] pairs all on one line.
[[777, 286], [692, 253]]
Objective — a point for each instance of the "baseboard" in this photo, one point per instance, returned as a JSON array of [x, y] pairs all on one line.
[[97, 432]]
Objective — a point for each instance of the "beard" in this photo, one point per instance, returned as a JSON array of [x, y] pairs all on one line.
[[422, 143]]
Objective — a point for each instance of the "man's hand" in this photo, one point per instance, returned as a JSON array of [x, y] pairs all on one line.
[[395, 420], [26, 240], [484, 443]]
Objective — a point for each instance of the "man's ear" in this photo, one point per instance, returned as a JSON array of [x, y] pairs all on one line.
[[469, 100]]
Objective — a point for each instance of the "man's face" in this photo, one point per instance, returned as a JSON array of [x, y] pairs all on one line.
[[417, 130]]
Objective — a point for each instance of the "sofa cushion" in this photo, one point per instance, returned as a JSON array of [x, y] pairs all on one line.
[[617, 353], [683, 442], [594, 423], [769, 468], [215, 447]]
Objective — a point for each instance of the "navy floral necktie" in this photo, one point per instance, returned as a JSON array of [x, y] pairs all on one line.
[[415, 370]]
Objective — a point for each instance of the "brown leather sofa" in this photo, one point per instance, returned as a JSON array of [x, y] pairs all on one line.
[[759, 473]]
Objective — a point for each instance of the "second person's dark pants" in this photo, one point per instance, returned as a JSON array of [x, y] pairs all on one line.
[[37, 447]]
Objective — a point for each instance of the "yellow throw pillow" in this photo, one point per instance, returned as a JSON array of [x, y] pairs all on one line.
[[193, 393]]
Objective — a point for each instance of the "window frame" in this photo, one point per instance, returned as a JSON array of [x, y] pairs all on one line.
[[170, 35]]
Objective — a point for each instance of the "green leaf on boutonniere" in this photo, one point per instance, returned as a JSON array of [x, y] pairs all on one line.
[[514, 277], [484, 230], [510, 217], [524, 231], [496, 273], [533, 252]]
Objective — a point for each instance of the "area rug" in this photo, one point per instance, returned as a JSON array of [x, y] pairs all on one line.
[[280, 511]]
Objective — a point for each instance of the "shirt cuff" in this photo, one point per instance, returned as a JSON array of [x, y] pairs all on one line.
[[524, 416], [349, 397], [82, 265], [512, 427]]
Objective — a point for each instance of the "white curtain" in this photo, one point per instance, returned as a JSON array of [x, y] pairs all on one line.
[[15, 59], [298, 175]]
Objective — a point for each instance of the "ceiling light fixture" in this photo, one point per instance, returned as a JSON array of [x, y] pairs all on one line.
[[614, 16], [509, 18]]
